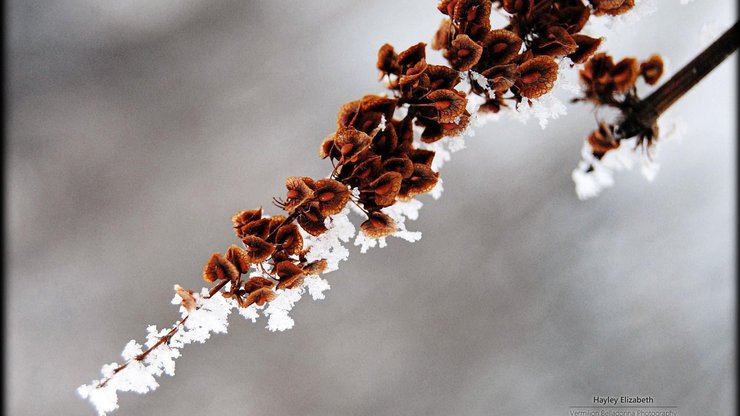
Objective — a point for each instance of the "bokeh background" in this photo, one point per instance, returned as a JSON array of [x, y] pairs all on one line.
[[136, 129]]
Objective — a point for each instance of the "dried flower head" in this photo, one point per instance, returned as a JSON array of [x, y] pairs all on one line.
[[298, 192], [378, 225], [403, 165], [537, 77], [501, 77], [243, 217], [624, 74], [612, 7], [388, 60], [421, 181], [350, 142], [218, 268], [258, 228]]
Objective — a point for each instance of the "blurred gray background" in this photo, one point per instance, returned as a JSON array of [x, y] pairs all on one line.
[[137, 128]]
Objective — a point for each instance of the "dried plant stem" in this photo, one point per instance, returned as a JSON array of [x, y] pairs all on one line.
[[645, 112]]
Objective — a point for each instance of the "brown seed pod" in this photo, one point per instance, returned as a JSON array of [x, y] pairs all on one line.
[[602, 140], [612, 7], [456, 128], [463, 53], [378, 225], [442, 77], [311, 220], [298, 192], [421, 181], [288, 239], [443, 36], [218, 268], [448, 103], [315, 268], [624, 74], [386, 141], [238, 257], [556, 42], [652, 69], [422, 156], [257, 282], [258, 228], [573, 17], [243, 217], [386, 187], [537, 77], [388, 60], [473, 17], [586, 47], [493, 105], [187, 299], [413, 75], [521, 7], [412, 55], [402, 165], [328, 149], [260, 297], [500, 46], [501, 77], [350, 142], [331, 196], [291, 276], [368, 169], [258, 250], [447, 7], [275, 222]]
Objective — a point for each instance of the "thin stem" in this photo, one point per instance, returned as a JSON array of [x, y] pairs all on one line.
[[645, 112]]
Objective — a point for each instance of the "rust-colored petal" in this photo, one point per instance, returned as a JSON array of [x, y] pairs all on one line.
[[537, 76], [258, 250], [378, 225], [402, 165], [288, 238], [587, 46], [652, 69], [238, 257], [291, 275], [386, 187], [218, 268], [298, 192], [261, 297], [463, 53], [311, 220], [448, 103], [257, 282], [500, 46], [556, 42], [331, 195]]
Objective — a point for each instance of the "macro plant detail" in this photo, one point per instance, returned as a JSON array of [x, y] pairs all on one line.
[[387, 150]]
